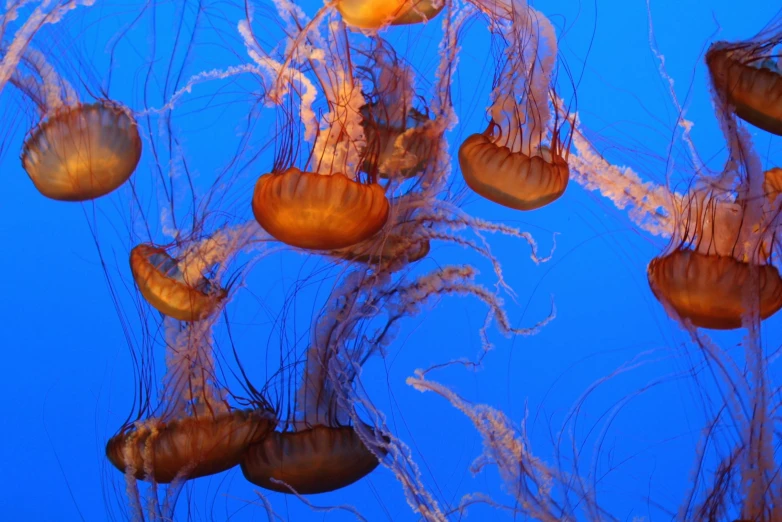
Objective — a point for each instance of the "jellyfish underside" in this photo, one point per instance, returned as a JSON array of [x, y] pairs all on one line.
[[382, 154], [754, 89], [374, 14], [512, 179], [82, 152], [318, 212], [709, 290], [188, 447], [162, 284], [315, 460]]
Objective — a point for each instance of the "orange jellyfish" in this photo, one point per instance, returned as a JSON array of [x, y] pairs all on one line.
[[326, 206], [195, 446], [508, 163], [163, 284], [374, 14], [195, 431], [320, 449], [311, 460], [747, 76], [318, 211], [177, 287], [719, 266], [400, 139], [82, 152], [78, 151], [316, 453]]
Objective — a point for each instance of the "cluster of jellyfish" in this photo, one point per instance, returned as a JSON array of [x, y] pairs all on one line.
[[361, 176]]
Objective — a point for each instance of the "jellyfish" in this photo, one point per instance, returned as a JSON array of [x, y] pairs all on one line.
[[312, 460], [83, 151], [374, 14], [326, 205], [308, 460], [177, 287], [195, 431], [78, 151], [400, 139], [746, 75], [203, 444], [318, 212], [164, 285], [508, 163], [197, 427], [320, 448], [716, 255], [720, 271], [400, 151]]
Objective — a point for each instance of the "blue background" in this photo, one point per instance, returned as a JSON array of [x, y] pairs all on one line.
[[68, 381]]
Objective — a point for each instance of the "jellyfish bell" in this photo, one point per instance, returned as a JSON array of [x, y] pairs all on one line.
[[515, 180], [318, 453], [318, 212], [749, 79], [312, 460], [374, 14], [708, 289], [165, 286], [188, 447], [705, 277], [82, 152]]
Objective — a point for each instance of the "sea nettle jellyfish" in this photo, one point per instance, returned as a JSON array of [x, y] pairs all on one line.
[[196, 430], [327, 205], [179, 287], [169, 288], [320, 447], [508, 163], [318, 452], [78, 151], [746, 76], [400, 139], [374, 14], [718, 268]]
